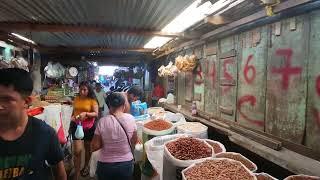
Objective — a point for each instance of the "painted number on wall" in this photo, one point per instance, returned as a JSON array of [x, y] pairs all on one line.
[[249, 73], [227, 75], [287, 70], [315, 111]]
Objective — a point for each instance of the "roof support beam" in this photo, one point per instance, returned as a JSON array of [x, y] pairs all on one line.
[[91, 49], [257, 16], [36, 27]]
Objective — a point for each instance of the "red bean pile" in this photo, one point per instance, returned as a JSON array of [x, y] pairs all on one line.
[[216, 147], [237, 157], [158, 125], [262, 176], [189, 149], [302, 177], [218, 169]]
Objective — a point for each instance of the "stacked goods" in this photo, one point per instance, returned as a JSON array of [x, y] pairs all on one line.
[[238, 157], [194, 129], [302, 177], [189, 149], [158, 125], [186, 63], [54, 96], [183, 152], [264, 176], [217, 146], [221, 168]]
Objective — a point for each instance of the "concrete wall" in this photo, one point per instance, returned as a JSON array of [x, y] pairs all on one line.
[[267, 79]]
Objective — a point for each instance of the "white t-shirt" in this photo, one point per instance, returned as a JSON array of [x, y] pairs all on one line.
[[100, 97]]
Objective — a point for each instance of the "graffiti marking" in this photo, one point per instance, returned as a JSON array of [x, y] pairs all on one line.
[[248, 68], [252, 101], [287, 70]]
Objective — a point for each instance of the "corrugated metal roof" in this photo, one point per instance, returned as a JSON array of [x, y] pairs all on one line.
[[153, 14], [147, 14], [235, 13]]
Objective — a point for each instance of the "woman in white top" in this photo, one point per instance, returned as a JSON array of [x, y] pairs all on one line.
[[101, 96]]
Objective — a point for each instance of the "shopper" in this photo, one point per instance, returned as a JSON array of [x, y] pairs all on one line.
[[101, 96], [27, 145], [132, 95], [85, 112], [114, 135], [157, 93]]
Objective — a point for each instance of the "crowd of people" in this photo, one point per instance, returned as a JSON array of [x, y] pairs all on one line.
[[29, 148]]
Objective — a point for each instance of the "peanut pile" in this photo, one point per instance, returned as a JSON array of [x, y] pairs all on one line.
[[237, 157], [221, 169], [158, 125], [189, 149], [216, 147]]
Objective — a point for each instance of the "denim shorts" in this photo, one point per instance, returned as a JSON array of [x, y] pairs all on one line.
[[115, 171]]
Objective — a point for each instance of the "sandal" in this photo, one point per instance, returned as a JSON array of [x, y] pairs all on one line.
[[85, 171]]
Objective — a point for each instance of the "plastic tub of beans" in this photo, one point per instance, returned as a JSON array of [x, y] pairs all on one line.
[[217, 168], [238, 157]]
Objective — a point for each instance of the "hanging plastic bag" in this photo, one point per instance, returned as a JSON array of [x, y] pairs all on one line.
[[52, 116], [60, 133], [79, 134], [93, 163], [138, 152], [66, 111]]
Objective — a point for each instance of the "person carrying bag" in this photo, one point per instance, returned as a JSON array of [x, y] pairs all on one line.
[[115, 136]]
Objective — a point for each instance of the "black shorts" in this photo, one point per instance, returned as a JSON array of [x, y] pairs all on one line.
[[88, 134]]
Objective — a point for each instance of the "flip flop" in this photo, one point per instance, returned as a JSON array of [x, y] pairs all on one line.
[[85, 171]]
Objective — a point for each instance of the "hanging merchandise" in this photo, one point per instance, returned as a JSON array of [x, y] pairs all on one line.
[[54, 70], [137, 72], [169, 70], [19, 62], [186, 63]]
